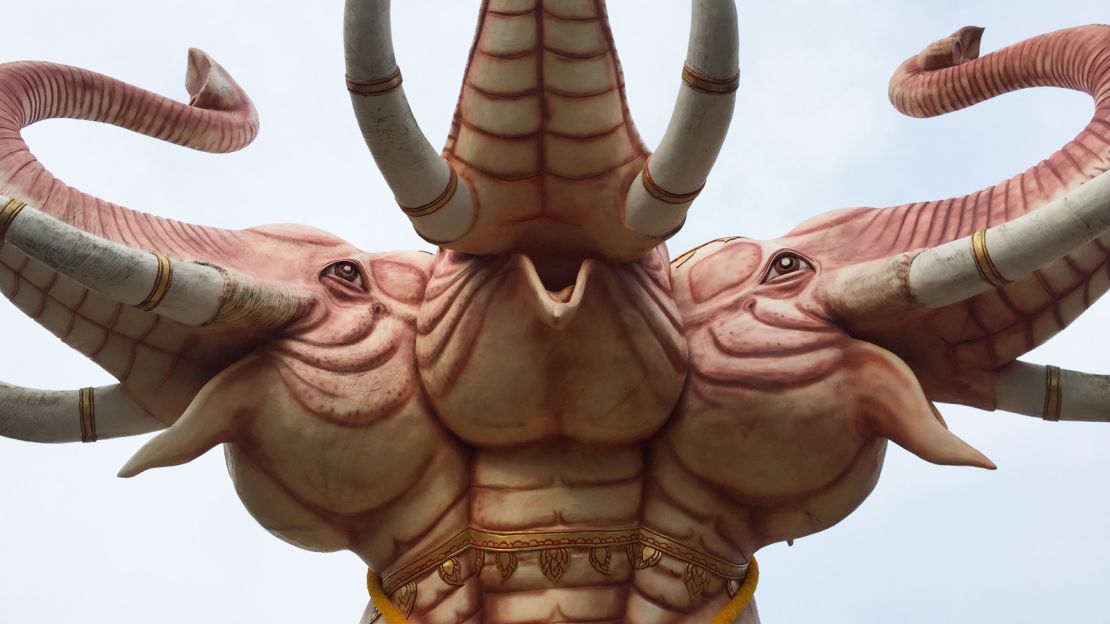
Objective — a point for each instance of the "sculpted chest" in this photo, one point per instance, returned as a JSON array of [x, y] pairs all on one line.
[[505, 360]]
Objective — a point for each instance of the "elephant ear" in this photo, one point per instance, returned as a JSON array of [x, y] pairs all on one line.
[[892, 402], [125, 288], [955, 348]]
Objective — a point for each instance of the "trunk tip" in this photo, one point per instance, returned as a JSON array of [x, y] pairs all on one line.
[[956, 49]]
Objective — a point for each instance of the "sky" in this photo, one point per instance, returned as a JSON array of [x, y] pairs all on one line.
[[813, 131]]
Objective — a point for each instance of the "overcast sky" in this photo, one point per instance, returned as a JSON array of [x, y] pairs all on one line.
[[813, 132]]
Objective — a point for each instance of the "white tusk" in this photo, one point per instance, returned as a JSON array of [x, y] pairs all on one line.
[[963, 268], [1052, 393], [436, 200], [187, 292], [74, 416], [672, 178]]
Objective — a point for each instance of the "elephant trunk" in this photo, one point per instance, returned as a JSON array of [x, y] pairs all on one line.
[[543, 157], [947, 77], [1005, 232], [220, 118]]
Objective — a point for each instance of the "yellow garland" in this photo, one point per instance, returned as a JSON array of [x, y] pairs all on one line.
[[733, 610], [743, 598], [391, 613]]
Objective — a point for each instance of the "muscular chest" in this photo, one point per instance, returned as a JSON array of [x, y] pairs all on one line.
[[505, 361]]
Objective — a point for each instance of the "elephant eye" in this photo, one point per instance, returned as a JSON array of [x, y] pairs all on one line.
[[786, 263], [346, 270]]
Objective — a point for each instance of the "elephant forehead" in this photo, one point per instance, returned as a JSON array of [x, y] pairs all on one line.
[[735, 264]]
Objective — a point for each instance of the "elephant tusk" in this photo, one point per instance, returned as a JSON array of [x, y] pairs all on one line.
[[1052, 393], [972, 265], [427, 188], [674, 176], [187, 292], [84, 415], [990, 258]]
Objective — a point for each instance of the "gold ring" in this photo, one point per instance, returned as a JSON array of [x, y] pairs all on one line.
[[375, 87], [983, 262], [706, 84], [663, 194], [433, 206], [8, 213], [87, 406], [162, 279], [1053, 397]]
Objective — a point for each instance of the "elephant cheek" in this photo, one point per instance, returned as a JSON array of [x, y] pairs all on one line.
[[770, 445]]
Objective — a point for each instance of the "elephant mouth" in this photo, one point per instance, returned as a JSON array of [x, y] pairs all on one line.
[[555, 306]]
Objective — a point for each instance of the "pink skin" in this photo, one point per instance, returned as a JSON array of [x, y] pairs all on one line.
[[733, 398]]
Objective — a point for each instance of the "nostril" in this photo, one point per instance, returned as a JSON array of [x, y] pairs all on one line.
[[378, 310]]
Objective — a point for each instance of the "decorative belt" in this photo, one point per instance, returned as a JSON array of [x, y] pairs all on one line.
[[397, 613], [645, 548]]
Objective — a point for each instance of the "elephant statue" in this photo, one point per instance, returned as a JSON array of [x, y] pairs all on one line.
[[550, 419]]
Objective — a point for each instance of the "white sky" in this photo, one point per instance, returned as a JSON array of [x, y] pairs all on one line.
[[813, 132]]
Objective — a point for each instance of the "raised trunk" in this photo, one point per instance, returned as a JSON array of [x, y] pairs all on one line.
[[219, 118], [1076, 58], [955, 350], [543, 135]]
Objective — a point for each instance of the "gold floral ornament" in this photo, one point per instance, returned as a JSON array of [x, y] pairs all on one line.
[[506, 564], [600, 559], [406, 598], [451, 572], [642, 557], [696, 579], [554, 563]]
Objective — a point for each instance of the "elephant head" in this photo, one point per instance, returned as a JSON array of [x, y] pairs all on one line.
[[272, 339], [819, 346]]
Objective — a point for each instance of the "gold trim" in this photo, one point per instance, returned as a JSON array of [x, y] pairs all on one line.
[[662, 194], [720, 567], [444, 198], [380, 86], [539, 540], [645, 548], [8, 213], [87, 409], [162, 279], [706, 84], [1053, 396], [983, 262]]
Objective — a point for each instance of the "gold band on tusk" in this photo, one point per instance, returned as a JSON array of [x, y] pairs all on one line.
[[1053, 397], [986, 267], [8, 213], [380, 86], [87, 406], [663, 194], [705, 84], [162, 280], [433, 206]]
